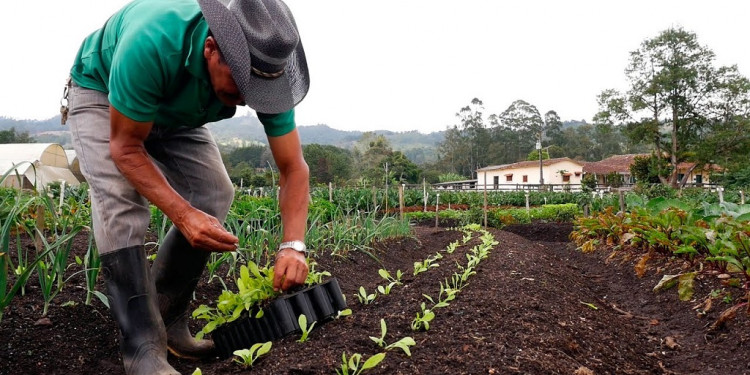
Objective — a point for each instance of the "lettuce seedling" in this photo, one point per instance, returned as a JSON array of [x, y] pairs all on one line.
[[424, 265], [314, 277], [402, 344], [423, 319], [351, 366], [451, 247], [302, 320], [365, 298], [248, 356], [380, 340], [342, 313]]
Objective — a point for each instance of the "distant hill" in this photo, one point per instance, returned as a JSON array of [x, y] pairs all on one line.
[[243, 130]]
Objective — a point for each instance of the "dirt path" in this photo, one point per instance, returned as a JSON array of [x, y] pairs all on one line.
[[535, 306]]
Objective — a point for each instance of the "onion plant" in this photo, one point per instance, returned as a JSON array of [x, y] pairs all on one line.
[[7, 224]]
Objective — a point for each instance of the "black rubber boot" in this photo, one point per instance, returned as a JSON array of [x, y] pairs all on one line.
[[132, 300], [176, 271]]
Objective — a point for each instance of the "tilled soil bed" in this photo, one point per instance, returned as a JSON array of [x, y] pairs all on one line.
[[535, 306]]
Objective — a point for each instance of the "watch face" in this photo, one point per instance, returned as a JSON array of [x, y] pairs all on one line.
[[299, 246]]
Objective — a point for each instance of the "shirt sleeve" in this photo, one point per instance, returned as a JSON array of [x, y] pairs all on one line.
[[276, 125], [139, 74]]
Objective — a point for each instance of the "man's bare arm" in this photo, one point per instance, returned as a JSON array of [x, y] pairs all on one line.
[[129, 154]]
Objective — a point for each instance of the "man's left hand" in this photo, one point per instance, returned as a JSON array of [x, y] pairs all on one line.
[[290, 269]]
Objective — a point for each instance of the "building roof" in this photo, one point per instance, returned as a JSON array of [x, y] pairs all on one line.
[[622, 163], [527, 164], [683, 166], [615, 163]]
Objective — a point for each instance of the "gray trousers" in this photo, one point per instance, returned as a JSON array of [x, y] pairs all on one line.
[[188, 158]]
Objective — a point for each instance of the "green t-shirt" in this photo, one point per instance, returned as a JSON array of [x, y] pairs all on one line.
[[148, 57]]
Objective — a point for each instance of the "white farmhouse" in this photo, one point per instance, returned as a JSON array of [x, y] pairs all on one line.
[[557, 172]]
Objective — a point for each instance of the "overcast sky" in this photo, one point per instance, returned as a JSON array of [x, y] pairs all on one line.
[[408, 64]]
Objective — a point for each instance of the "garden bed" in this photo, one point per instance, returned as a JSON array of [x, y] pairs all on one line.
[[535, 306]]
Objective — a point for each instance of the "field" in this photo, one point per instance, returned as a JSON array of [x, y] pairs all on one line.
[[536, 305]]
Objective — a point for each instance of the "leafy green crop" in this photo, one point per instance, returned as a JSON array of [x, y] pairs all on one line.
[[247, 357]]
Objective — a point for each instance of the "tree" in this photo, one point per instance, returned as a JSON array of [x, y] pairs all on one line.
[[526, 126], [328, 163], [466, 146], [401, 169], [11, 136], [553, 128], [252, 155], [727, 139], [673, 88], [646, 168]]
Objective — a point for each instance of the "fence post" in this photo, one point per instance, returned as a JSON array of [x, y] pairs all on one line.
[[424, 193], [528, 208], [330, 192], [40, 228], [485, 201], [742, 197], [62, 196], [401, 201], [386, 188], [721, 194], [622, 200], [437, 203]]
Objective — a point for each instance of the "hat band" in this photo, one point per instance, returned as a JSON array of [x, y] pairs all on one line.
[[266, 74]]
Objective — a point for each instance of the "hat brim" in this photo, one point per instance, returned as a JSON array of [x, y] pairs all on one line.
[[264, 95]]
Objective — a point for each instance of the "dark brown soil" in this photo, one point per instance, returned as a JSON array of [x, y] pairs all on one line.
[[535, 306]]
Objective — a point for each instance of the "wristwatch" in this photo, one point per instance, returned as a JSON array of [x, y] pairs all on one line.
[[294, 245]]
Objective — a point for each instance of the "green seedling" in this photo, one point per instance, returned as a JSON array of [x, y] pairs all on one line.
[[343, 313], [385, 290], [424, 265], [387, 276], [380, 340], [402, 344], [314, 277], [248, 356], [392, 281], [451, 247], [197, 371], [351, 366], [365, 298], [423, 319], [254, 286], [302, 320]]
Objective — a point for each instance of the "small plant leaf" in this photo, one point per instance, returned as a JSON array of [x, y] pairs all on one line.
[[102, 298], [384, 274], [265, 348], [373, 361]]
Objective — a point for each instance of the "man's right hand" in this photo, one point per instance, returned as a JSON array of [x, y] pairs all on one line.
[[205, 232]]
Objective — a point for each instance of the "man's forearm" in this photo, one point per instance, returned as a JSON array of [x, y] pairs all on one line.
[[293, 203], [147, 179]]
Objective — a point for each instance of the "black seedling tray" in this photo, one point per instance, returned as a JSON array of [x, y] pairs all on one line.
[[320, 303]]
